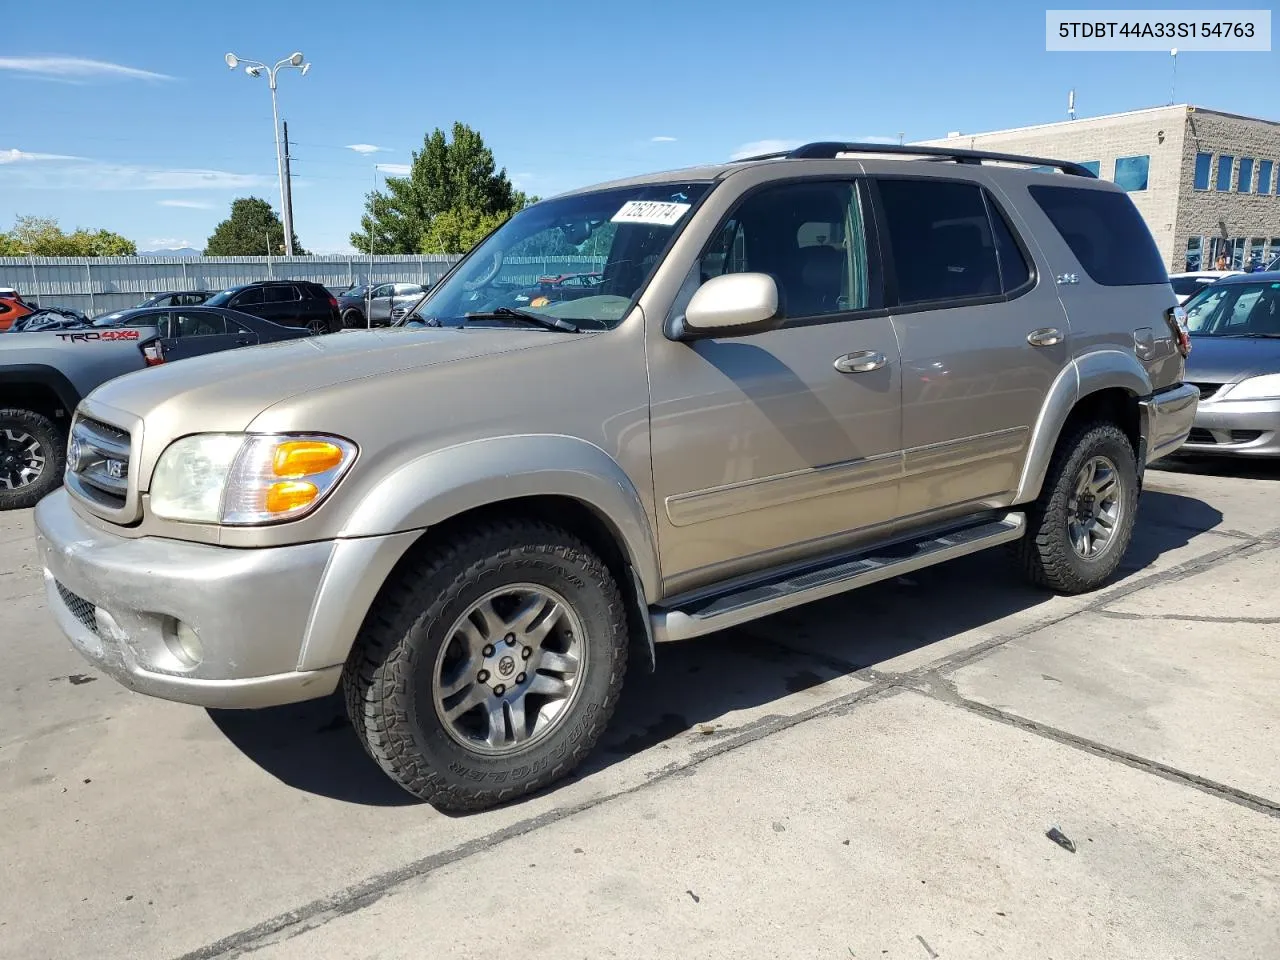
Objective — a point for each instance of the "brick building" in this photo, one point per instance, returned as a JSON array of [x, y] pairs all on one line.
[[1206, 182]]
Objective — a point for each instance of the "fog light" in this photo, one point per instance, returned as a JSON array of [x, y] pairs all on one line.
[[184, 643]]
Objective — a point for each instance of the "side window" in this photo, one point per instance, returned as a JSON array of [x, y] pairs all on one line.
[[384, 290], [810, 237], [407, 289], [280, 294], [1105, 232], [193, 323], [943, 247], [248, 298], [1014, 271]]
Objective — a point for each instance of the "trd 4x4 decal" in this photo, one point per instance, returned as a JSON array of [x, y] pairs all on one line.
[[104, 335]]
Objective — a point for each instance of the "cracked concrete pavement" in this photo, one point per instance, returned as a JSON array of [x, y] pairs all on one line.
[[872, 776]]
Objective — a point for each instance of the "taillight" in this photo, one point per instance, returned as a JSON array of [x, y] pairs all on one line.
[[153, 354], [333, 301], [1176, 318]]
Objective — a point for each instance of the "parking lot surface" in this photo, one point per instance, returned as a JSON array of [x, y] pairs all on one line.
[[872, 776]]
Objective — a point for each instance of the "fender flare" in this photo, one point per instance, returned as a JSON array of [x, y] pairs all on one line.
[[42, 375], [1084, 375], [435, 486]]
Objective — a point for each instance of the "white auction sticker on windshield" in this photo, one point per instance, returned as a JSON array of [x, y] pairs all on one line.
[[658, 212]]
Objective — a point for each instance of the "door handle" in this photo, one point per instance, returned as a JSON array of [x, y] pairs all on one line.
[[864, 361], [1044, 337]]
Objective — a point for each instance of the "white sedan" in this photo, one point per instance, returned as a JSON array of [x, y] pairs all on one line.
[[1186, 285]]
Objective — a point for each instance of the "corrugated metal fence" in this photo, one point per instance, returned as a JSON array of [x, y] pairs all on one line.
[[96, 285]]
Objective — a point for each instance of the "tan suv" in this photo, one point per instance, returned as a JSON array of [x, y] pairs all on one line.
[[798, 374]]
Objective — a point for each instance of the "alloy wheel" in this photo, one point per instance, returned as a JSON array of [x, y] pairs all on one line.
[[509, 669], [1095, 508], [22, 459]]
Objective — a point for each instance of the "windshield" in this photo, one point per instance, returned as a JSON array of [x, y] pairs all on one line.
[[111, 319], [609, 241], [1235, 310], [220, 299]]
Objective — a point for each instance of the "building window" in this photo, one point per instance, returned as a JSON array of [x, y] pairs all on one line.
[[1244, 180], [1273, 255], [1225, 163], [1253, 257], [1092, 166], [1131, 172], [1264, 176], [1203, 162], [1237, 253], [1195, 247]]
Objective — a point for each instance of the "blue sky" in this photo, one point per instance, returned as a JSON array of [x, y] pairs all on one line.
[[123, 115]]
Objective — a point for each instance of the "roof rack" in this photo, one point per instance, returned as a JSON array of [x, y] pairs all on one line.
[[829, 150]]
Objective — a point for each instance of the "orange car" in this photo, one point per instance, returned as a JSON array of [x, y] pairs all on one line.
[[11, 308]]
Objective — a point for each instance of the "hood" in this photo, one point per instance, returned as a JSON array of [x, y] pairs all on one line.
[[225, 391], [1230, 359]]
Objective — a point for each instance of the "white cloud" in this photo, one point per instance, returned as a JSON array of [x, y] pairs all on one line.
[[21, 156], [662, 139], [168, 243], [395, 169], [366, 148], [186, 204], [72, 68], [756, 147], [876, 139], [97, 175]]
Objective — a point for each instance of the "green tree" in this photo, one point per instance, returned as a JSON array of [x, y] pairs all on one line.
[[252, 230], [455, 182], [42, 237]]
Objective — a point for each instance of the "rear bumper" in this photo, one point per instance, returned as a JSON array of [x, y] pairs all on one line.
[[1243, 428], [1167, 419]]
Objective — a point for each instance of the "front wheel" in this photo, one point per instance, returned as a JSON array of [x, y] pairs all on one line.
[[490, 667], [32, 458], [1080, 527]]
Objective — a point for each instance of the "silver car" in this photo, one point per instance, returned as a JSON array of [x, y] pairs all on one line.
[[378, 305], [1235, 364], [799, 374]]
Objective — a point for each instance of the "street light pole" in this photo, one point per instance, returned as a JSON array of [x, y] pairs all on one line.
[[256, 69]]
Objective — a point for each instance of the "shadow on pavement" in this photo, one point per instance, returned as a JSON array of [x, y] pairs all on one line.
[[310, 746], [1239, 467]]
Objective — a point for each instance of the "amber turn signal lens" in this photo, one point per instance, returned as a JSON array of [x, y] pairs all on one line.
[[305, 458], [290, 495]]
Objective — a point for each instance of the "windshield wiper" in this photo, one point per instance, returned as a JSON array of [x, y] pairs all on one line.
[[1250, 336], [541, 319]]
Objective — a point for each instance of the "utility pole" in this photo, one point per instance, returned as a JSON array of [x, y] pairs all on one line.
[[288, 190]]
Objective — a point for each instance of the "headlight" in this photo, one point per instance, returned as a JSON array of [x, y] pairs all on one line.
[[1255, 388], [245, 479]]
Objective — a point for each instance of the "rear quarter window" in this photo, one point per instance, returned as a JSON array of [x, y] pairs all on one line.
[[1105, 232]]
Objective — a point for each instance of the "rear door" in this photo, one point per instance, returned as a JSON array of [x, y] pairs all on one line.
[[982, 336], [192, 332], [283, 304]]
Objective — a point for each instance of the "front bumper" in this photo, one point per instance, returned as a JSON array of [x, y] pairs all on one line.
[[1243, 428], [120, 601], [1167, 419]]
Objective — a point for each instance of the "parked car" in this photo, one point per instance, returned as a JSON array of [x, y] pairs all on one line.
[[43, 376], [1186, 285], [382, 302], [1235, 364], [293, 303], [801, 374], [183, 298]]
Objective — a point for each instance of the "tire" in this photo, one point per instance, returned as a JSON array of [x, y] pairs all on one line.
[[1050, 554], [352, 319], [397, 679], [26, 432]]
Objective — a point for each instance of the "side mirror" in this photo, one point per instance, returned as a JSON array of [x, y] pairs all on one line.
[[733, 305]]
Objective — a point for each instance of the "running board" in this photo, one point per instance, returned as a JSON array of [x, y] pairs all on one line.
[[722, 611]]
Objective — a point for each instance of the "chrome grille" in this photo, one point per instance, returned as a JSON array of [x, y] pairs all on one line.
[[80, 608], [98, 462]]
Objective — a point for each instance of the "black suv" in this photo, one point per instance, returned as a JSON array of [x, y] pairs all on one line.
[[293, 303]]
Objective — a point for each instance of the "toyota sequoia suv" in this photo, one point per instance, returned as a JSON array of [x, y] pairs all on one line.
[[797, 374]]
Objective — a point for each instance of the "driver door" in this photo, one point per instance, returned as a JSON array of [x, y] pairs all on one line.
[[195, 332], [380, 302]]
